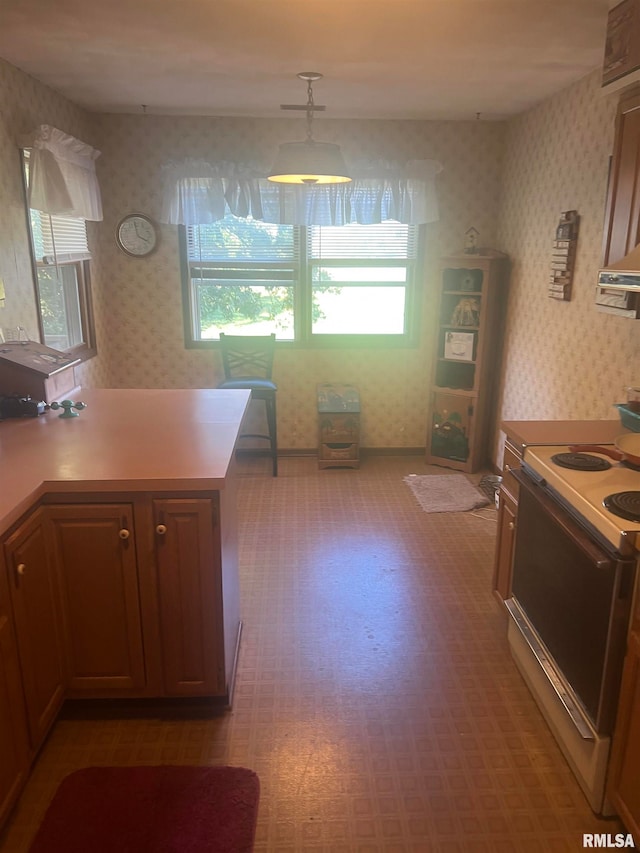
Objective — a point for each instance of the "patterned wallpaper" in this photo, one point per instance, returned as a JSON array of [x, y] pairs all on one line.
[[561, 360], [143, 331]]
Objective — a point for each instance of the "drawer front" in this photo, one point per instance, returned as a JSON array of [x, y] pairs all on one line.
[[337, 450], [339, 428], [512, 461]]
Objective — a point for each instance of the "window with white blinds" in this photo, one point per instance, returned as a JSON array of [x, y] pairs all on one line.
[[373, 242], [57, 239], [62, 280], [305, 283]]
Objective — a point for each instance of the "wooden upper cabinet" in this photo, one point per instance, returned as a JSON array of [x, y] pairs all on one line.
[[94, 549], [34, 597], [187, 556], [622, 213]]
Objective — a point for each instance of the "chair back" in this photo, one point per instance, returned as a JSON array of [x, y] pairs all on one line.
[[246, 357]]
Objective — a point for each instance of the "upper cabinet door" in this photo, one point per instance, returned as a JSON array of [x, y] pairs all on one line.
[[622, 215]]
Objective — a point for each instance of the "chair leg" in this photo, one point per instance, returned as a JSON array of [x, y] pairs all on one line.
[[271, 421]]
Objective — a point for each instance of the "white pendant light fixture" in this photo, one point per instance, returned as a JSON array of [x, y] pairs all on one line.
[[309, 162]]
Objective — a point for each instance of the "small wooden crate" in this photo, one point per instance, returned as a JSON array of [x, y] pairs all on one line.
[[338, 426]]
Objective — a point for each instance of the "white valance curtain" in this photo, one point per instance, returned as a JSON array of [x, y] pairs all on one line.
[[197, 192], [62, 174]]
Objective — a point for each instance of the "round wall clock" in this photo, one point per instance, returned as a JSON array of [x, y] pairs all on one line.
[[137, 235]]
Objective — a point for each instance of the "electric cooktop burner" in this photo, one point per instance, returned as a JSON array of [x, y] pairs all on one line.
[[580, 461], [624, 504]]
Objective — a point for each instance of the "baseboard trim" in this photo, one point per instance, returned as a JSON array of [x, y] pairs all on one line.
[[393, 451], [313, 451]]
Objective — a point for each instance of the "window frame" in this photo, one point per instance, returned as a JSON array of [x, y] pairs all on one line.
[[88, 348], [304, 338]]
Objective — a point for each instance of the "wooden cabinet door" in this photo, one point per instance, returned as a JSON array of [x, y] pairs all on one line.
[[93, 547], [505, 543], [34, 597], [14, 746], [187, 553], [622, 215], [624, 784]]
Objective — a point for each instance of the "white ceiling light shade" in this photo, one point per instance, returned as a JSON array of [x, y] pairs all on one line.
[[309, 162]]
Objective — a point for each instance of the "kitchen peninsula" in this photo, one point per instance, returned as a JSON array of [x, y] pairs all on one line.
[[118, 571]]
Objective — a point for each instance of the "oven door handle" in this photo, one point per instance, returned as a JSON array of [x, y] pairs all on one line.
[[571, 528]]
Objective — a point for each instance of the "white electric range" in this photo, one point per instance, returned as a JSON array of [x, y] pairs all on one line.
[[574, 569], [583, 492]]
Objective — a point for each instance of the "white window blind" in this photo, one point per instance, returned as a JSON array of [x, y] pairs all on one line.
[[371, 242], [58, 239], [233, 239]]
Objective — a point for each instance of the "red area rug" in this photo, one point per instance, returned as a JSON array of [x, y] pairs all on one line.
[[152, 810]]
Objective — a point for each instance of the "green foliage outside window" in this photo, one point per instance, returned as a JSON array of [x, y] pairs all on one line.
[[52, 304]]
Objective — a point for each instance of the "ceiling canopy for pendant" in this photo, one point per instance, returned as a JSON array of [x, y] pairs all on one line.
[[309, 162]]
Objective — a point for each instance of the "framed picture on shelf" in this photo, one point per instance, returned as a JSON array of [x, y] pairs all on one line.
[[459, 345]]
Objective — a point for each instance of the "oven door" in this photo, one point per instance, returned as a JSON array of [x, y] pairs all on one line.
[[571, 600]]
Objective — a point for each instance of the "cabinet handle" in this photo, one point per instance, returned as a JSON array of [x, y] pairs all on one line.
[[124, 533], [507, 467], [161, 529], [512, 525], [21, 568]]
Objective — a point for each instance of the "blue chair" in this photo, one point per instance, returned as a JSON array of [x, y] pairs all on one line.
[[248, 362]]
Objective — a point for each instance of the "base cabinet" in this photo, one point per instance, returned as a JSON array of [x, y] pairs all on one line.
[[14, 745], [189, 603], [624, 776], [120, 596], [505, 544], [34, 598], [507, 522], [141, 597], [94, 550]]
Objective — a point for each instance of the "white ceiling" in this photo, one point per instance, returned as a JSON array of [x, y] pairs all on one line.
[[399, 59]]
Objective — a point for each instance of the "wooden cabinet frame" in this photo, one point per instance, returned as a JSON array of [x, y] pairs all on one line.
[[166, 569], [622, 212]]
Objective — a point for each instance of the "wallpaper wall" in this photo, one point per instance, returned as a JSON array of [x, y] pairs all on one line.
[[143, 336], [564, 359], [511, 181]]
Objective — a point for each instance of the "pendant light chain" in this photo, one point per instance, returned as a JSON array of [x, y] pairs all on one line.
[[308, 162], [310, 110]]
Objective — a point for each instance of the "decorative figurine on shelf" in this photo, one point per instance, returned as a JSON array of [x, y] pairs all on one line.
[[471, 241], [466, 312], [68, 405]]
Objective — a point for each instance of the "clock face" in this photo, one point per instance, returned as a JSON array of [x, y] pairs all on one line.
[[136, 235]]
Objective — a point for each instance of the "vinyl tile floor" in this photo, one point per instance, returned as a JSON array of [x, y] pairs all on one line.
[[375, 695]]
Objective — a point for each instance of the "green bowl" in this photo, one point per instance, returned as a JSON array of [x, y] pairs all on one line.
[[629, 415]]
